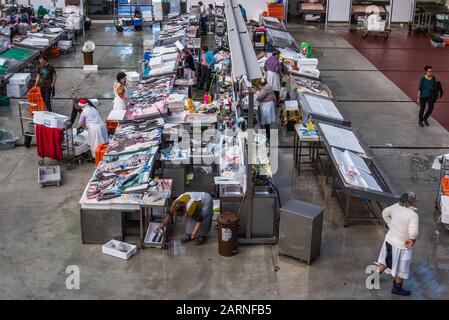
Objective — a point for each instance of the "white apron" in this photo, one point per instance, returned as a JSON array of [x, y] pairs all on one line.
[[274, 80], [97, 131], [266, 113], [400, 261], [118, 104]]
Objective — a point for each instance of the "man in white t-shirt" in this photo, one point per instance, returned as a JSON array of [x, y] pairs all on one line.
[[396, 253]]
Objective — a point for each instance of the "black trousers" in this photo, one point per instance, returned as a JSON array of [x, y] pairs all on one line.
[[205, 78], [46, 93], [423, 102], [267, 131], [204, 25], [278, 95]]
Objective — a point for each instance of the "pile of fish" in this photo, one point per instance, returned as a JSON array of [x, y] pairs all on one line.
[[150, 97]]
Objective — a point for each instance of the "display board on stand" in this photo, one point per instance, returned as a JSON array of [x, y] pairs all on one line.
[[402, 11], [338, 11]]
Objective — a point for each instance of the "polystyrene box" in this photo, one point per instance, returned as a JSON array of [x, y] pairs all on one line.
[[20, 79], [132, 76], [119, 249], [64, 44], [444, 209], [91, 68], [310, 63], [50, 119], [15, 90]]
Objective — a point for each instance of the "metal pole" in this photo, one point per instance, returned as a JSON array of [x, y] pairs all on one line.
[[249, 177]]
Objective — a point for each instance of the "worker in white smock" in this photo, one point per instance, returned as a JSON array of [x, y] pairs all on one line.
[[198, 207], [266, 99], [273, 76], [396, 254], [5, 34], [96, 128]]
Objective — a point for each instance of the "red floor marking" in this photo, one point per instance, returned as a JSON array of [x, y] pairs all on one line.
[[402, 58]]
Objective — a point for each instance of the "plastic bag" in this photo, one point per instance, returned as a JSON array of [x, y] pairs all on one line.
[[305, 50]]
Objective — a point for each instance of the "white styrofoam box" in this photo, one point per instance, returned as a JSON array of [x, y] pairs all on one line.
[[64, 44], [20, 78], [310, 72], [78, 149], [155, 62], [306, 62], [91, 68], [291, 105], [148, 44], [40, 41], [151, 232], [50, 119], [114, 248], [444, 204], [170, 56], [54, 30], [132, 76], [16, 90]]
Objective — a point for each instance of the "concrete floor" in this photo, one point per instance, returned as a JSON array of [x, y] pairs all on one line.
[[40, 229]]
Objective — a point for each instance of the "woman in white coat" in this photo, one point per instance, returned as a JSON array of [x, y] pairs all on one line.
[[266, 99], [96, 128]]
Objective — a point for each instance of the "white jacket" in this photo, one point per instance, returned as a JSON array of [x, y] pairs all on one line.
[[403, 224]]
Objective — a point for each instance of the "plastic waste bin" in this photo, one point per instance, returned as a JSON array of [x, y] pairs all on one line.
[[88, 52], [228, 231]]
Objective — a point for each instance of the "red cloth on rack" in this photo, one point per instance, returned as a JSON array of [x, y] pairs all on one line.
[[49, 142]]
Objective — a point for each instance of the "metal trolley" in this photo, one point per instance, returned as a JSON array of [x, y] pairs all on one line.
[[373, 24], [28, 128]]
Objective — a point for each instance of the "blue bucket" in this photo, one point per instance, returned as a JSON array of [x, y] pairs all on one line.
[[137, 22]]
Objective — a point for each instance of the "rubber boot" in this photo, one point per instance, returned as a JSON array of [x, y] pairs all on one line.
[[397, 289]]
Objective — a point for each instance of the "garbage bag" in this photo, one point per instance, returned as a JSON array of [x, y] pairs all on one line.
[[88, 46]]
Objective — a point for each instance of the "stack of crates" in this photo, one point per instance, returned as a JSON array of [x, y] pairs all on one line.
[[111, 126], [276, 10], [99, 153], [17, 85], [35, 97], [54, 52]]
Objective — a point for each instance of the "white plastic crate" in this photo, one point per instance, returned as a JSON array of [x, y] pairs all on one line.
[[50, 119], [49, 175], [119, 249], [20, 79]]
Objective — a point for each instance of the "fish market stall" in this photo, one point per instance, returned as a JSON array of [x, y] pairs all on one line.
[[14, 60], [358, 174], [40, 40]]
